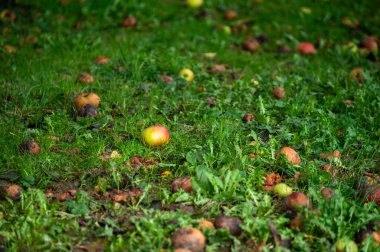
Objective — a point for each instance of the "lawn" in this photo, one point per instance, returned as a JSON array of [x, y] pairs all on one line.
[[268, 74]]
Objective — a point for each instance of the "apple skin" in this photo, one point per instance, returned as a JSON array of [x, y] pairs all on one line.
[[282, 190], [187, 74], [156, 135], [86, 98], [194, 3]]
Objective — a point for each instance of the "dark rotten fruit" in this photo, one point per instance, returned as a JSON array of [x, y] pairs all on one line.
[[30, 146], [87, 110], [182, 183], [232, 224], [189, 238]]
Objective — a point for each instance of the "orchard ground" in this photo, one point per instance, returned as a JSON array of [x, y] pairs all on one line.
[[94, 184]]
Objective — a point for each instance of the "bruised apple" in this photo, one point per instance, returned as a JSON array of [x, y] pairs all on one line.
[[87, 98], [156, 135], [290, 154]]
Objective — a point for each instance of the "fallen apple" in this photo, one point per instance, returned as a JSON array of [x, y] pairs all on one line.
[[86, 98], [282, 190], [290, 154], [369, 230], [251, 44], [194, 3], [248, 117], [205, 224], [182, 183], [346, 245], [373, 194], [232, 224], [155, 135], [187, 74], [30, 146], [10, 191], [85, 78], [306, 48], [327, 193], [296, 201], [130, 21], [357, 75], [189, 238], [102, 60], [10, 49], [279, 92], [370, 43], [230, 14]]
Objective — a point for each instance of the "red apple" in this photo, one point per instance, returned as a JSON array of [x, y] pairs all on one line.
[[306, 48], [156, 135], [296, 201]]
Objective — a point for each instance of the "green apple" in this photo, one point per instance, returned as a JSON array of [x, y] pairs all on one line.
[[194, 3], [346, 245], [282, 190]]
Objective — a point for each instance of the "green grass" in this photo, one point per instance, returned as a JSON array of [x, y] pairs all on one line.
[[210, 144]]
